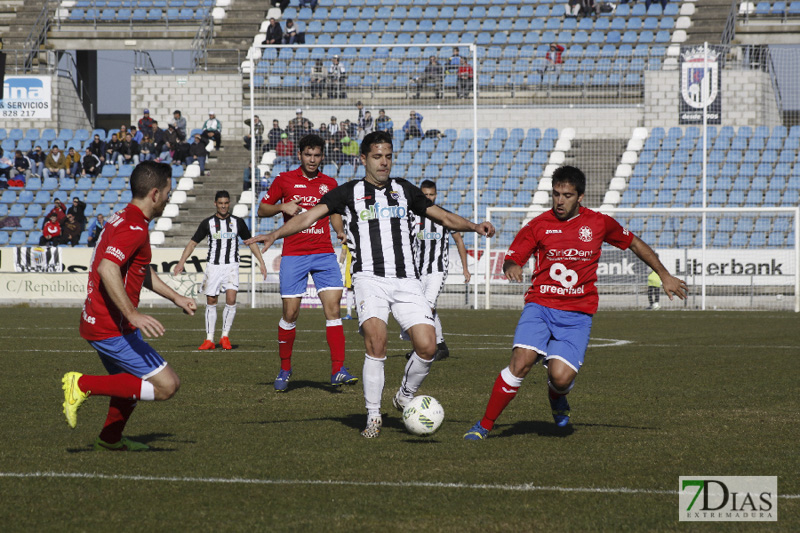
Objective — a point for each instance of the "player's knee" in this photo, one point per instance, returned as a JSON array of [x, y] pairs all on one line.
[[427, 352], [562, 380], [165, 391]]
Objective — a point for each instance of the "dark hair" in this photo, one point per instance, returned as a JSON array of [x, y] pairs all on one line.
[[376, 137], [311, 141], [176, 111], [427, 184], [149, 175], [572, 175], [222, 194]]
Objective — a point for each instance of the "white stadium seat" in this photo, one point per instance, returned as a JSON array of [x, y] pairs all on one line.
[[223, 3], [635, 145], [245, 66], [611, 197], [684, 23], [240, 210], [630, 158], [617, 184], [268, 158], [219, 13], [192, 171], [557, 158], [186, 184], [246, 198], [273, 13], [164, 224], [171, 211], [541, 197], [567, 133], [679, 36], [178, 197], [670, 63], [563, 145], [548, 171], [623, 171], [545, 184], [639, 133], [157, 238]]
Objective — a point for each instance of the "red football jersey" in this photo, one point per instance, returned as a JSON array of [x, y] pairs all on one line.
[[566, 254], [294, 185], [125, 240]]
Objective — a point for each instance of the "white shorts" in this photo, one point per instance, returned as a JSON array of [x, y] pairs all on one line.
[[220, 278], [432, 285], [377, 296]]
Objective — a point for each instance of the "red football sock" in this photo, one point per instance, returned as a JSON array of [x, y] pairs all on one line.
[[119, 410], [335, 336], [502, 394], [118, 385], [553, 394], [285, 345]]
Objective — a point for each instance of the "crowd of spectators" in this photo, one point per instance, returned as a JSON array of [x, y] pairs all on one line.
[[62, 225]]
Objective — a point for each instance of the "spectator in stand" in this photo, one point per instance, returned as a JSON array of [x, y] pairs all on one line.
[[553, 57], [290, 36], [128, 152], [301, 124], [274, 33], [317, 78], [413, 126], [21, 170], [454, 62], [123, 131], [95, 228], [256, 129], [157, 138], [285, 150], [51, 233], [274, 135], [146, 122], [179, 122], [138, 135], [70, 231], [6, 166], [56, 163], [73, 163], [147, 149], [91, 163], [350, 150], [59, 210], [37, 157], [573, 8], [464, 80], [78, 210], [348, 129], [112, 149], [282, 4], [589, 8], [310, 3], [98, 147], [212, 130], [384, 123], [198, 153], [366, 124], [333, 127], [171, 141], [433, 74], [336, 79]]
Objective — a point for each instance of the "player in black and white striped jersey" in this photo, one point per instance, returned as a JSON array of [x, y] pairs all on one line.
[[223, 231], [376, 212], [433, 259]]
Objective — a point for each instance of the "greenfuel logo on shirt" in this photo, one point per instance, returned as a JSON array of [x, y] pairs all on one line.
[[382, 212]]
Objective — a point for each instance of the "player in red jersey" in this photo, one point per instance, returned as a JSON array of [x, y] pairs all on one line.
[[308, 252], [110, 320], [557, 318]]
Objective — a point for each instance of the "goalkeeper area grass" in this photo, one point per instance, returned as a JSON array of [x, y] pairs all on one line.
[[660, 395]]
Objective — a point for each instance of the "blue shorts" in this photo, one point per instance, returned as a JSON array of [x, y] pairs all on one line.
[[129, 353], [324, 269], [556, 334]]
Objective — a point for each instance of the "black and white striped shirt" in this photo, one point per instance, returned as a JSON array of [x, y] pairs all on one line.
[[223, 238], [378, 222], [433, 246]]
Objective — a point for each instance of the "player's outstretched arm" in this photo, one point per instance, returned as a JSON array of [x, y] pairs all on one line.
[[269, 210], [155, 284], [295, 225], [672, 286], [512, 271], [111, 277], [184, 256], [458, 223], [462, 253]]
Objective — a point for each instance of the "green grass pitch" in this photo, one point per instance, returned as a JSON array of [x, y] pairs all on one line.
[[661, 395]]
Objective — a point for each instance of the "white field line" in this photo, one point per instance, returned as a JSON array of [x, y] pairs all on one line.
[[525, 487]]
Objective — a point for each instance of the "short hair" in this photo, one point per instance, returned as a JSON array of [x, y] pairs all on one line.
[[376, 137], [572, 175], [149, 175], [311, 141], [427, 184], [222, 194], [176, 111]]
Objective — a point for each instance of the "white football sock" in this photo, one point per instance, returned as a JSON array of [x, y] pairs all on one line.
[[349, 298], [416, 371], [211, 321], [227, 318], [373, 378], [147, 392], [437, 324]]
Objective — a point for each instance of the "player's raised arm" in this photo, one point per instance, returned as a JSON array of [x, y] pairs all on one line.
[[155, 284], [672, 285], [290, 208], [458, 223], [295, 225]]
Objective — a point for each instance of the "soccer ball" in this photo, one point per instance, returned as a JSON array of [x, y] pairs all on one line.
[[423, 415]]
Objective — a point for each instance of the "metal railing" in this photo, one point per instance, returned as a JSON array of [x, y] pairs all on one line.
[[729, 31], [38, 35], [75, 77], [203, 37]]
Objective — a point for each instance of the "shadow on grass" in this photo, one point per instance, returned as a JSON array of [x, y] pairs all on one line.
[[549, 429], [355, 421], [144, 439], [307, 384]]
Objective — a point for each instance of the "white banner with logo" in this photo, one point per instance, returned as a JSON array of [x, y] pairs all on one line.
[[27, 97]]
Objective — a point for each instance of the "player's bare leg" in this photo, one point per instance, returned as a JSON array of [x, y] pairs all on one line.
[[375, 339], [228, 314], [211, 323], [423, 338], [334, 332]]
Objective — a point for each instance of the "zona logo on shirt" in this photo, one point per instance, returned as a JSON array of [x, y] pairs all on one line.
[[223, 235], [429, 235], [379, 211]]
